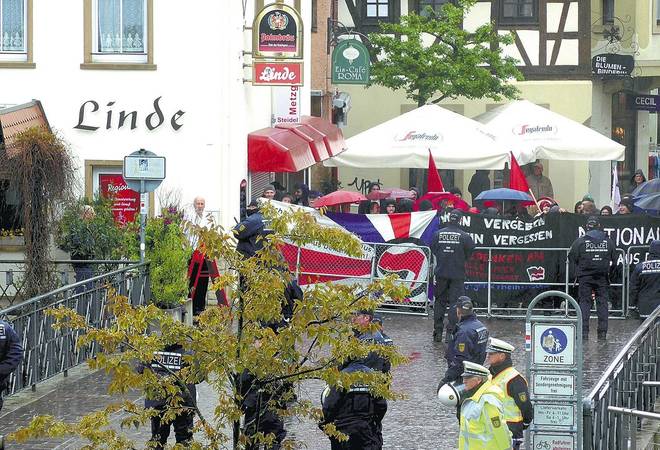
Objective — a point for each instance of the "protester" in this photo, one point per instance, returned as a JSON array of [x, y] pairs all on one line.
[[405, 205], [577, 209], [451, 247], [390, 206], [625, 208], [425, 205], [355, 412], [637, 179], [517, 407], [374, 208], [545, 203], [468, 343], [593, 255], [373, 186], [11, 355], [606, 210], [301, 194], [364, 207], [456, 191], [415, 192], [589, 207], [313, 196], [482, 423], [645, 282], [287, 198], [479, 182], [540, 185], [269, 192], [165, 364]]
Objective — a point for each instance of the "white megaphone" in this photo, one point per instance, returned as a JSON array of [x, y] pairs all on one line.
[[450, 394]]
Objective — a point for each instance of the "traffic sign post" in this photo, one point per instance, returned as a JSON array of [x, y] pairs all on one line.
[[554, 369], [143, 172]]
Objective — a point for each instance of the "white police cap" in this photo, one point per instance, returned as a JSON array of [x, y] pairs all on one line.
[[471, 369], [499, 346]]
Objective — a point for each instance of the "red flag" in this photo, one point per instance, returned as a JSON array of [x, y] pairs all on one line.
[[433, 181], [517, 178]]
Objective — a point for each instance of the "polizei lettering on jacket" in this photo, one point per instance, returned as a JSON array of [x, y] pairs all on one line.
[[595, 246]]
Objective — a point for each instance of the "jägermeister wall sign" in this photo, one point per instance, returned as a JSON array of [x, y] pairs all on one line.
[[350, 63]]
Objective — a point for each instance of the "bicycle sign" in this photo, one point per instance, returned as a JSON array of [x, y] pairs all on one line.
[[553, 441]]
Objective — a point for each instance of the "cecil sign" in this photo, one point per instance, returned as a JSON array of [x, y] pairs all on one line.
[[350, 63]]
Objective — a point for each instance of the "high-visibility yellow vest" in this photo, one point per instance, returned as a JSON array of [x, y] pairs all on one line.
[[482, 421], [511, 411]]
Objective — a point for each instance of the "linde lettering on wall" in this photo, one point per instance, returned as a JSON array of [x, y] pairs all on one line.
[[89, 117]]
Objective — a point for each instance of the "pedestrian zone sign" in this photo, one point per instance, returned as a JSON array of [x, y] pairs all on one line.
[[554, 344]]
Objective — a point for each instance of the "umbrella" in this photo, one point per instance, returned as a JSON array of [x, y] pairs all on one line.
[[647, 187], [390, 193], [437, 197], [503, 194], [339, 198], [650, 202]]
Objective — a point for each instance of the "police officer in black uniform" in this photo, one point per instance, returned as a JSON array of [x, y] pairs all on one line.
[[469, 341], [250, 231], [171, 359], [260, 402], [451, 247], [11, 355], [645, 282], [594, 256], [355, 412]]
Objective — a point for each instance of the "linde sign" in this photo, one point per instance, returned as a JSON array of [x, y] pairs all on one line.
[[554, 344], [350, 63], [268, 73]]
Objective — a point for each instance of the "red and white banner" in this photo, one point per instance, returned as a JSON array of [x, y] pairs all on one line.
[[267, 73], [125, 201]]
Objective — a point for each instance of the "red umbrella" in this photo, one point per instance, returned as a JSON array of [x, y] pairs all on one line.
[[390, 193], [437, 197], [339, 198]]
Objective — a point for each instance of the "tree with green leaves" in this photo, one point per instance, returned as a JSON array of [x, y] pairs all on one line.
[[432, 57], [249, 336]]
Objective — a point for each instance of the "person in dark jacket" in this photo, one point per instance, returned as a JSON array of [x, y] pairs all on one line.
[[11, 355], [259, 409], [355, 412], [451, 247], [469, 341], [166, 362], [518, 409], [637, 179], [249, 232], [594, 256], [645, 282], [301, 194], [478, 183]]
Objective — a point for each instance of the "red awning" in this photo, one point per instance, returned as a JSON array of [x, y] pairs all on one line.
[[334, 138], [315, 139], [294, 147]]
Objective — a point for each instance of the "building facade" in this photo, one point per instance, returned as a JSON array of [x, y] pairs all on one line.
[[552, 45], [115, 76]]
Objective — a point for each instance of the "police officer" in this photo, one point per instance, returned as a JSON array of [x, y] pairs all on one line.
[[469, 342], [645, 282], [249, 231], [355, 412], [594, 256], [259, 408], [517, 408], [373, 360], [164, 363], [11, 355], [482, 424], [451, 247]]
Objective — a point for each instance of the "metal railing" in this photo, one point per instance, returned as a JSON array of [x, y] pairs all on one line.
[[12, 275], [630, 382], [492, 308], [47, 351]]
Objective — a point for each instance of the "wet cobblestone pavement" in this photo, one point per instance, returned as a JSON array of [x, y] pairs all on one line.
[[418, 422]]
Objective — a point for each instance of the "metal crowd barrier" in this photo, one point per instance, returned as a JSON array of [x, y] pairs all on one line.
[[412, 264], [493, 309], [12, 275], [630, 382], [48, 352]]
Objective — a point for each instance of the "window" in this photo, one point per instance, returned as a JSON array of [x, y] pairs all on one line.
[[15, 33], [10, 207], [375, 11], [657, 12], [315, 12], [513, 12], [422, 6], [608, 11], [118, 34]]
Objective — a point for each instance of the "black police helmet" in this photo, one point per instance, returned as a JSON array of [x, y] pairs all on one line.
[[593, 223], [455, 216]]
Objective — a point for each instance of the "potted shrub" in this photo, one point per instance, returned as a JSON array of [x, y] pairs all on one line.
[[168, 251]]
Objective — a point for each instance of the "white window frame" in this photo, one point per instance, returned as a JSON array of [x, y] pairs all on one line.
[[117, 57], [16, 55], [655, 18]]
